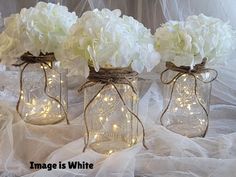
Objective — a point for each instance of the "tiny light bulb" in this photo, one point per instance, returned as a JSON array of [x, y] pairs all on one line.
[[101, 118], [105, 99], [95, 136], [189, 107], [115, 127], [133, 140], [53, 75], [122, 109], [33, 102]]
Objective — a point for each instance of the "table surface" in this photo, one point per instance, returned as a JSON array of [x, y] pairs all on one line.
[[169, 154]]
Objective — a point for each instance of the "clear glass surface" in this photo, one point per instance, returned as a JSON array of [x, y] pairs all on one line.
[[36, 107], [111, 126], [185, 114]]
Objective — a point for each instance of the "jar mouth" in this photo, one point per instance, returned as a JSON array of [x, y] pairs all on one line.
[[115, 75], [30, 58]]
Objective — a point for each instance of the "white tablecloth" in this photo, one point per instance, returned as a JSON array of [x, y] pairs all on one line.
[[169, 154]]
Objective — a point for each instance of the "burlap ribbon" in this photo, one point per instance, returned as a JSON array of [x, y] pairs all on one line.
[[182, 70], [43, 59], [110, 77]]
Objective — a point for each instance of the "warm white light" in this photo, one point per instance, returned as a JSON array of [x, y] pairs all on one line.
[[133, 140], [105, 99], [115, 127], [189, 107], [100, 118], [122, 109], [33, 102], [95, 136]]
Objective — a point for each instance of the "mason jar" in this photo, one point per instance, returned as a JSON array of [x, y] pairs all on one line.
[[111, 126], [43, 92], [186, 103]]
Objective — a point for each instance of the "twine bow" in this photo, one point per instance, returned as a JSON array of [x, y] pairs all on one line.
[[182, 70], [108, 77], [42, 59]]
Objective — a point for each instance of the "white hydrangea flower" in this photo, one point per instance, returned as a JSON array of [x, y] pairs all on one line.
[[186, 43], [104, 39], [42, 28]]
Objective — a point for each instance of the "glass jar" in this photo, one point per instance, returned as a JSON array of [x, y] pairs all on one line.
[[111, 126], [186, 103], [41, 103]]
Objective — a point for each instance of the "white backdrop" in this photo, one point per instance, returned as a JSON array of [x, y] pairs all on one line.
[[169, 154]]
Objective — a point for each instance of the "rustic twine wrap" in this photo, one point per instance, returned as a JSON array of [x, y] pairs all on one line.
[[107, 77], [43, 59], [182, 70]]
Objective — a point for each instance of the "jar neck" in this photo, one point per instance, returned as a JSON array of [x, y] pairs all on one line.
[[42, 58], [112, 75]]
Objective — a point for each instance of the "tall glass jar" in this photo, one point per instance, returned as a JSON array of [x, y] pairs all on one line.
[[186, 103], [43, 96], [111, 126]]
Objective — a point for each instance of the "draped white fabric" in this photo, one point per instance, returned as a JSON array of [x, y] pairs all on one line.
[[169, 154]]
